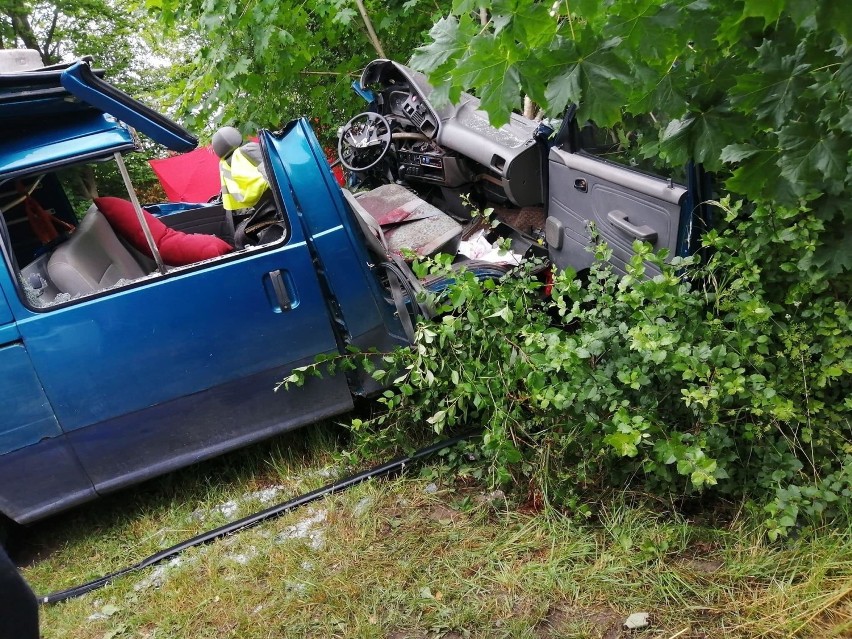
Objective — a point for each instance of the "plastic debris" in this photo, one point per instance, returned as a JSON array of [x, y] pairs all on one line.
[[636, 621], [362, 507], [479, 248]]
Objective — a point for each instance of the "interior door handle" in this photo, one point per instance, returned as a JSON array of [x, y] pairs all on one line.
[[619, 220]]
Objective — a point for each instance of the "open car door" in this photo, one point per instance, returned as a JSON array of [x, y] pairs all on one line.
[[595, 200]]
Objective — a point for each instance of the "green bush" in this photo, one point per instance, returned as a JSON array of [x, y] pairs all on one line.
[[696, 380], [727, 377]]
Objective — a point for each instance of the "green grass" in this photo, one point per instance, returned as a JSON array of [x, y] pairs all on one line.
[[398, 559]]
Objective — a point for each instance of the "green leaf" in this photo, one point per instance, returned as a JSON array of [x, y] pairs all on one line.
[[664, 95], [533, 26], [738, 152], [564, 89], [491, 68], [625, 444], [446, 43], [776, 84], [769, 10], [836, 255], [699, 137], [653, 31], [596, 79], [344, 15], [812, 160], [836, 16], [803, 13], [759, 177]]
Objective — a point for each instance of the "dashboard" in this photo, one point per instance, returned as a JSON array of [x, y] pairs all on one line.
[[455, 144]]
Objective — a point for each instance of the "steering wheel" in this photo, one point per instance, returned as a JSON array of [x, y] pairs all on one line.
[[364, 141]]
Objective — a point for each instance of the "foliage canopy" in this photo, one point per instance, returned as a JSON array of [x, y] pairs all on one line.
[[261, 64], [758, 90]]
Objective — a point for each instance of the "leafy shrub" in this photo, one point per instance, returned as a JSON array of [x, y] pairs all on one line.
[[697, 379], [729, 376]]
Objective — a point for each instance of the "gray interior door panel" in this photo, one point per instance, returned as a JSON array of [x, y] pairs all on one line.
[[623, 205]]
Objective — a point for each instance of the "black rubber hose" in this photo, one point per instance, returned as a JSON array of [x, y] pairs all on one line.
[[383, 470]]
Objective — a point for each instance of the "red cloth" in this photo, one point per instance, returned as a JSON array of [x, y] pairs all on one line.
[[331, 156], [176, 247], [190, 177], [43, 223]]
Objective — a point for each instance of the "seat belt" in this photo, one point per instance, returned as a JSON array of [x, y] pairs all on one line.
[[395, 281]]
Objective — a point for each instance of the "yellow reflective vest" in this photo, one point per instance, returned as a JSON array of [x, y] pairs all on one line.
[[242, 182]]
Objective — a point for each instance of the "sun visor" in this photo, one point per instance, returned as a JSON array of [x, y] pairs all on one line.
[[82, 83]]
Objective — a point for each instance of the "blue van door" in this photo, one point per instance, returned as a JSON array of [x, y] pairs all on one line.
[[35, 456], [163, 373]]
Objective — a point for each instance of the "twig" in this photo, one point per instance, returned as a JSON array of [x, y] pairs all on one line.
[[354, 75]]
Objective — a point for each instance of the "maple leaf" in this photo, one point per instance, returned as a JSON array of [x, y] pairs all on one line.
[[844, 74], [660, 94], [835, 256], [654, 32], [446, 43], [700, 137], [812, 160], [596, 79], [759, 178], [491, 68], [802, 12], [769, 10], [738, 152], [344, 15], [534, 26], [836, 16], [772, 89], [845, 122]]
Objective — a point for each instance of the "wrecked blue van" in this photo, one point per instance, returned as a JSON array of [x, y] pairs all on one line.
[[124, 371], [118, 367]]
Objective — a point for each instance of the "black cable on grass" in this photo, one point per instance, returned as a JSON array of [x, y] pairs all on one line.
[[383, 470]]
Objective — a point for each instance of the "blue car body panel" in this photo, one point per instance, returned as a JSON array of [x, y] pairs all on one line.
[[184, 333], [7, 320], [29, 417], [333, 234], [39, 471]]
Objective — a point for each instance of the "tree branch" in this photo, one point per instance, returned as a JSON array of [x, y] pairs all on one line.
[[23, 30], [370, 31], [49, 37]]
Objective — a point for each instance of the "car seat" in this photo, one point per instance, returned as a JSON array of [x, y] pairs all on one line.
[[409, 222], [93, 258]]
